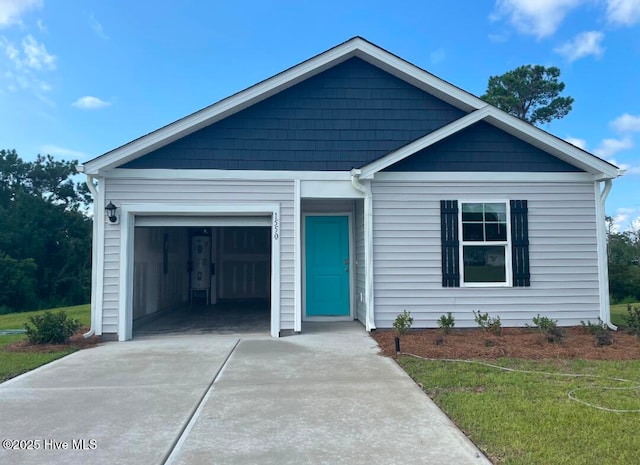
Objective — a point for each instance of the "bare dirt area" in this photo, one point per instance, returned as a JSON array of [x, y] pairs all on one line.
[[513, 342], [76, 342]]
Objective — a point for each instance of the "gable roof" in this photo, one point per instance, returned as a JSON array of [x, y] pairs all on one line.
[[358, 47]]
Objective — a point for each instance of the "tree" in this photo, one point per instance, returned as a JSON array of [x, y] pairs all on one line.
[[45, 236], [531, 93], [624, 265]]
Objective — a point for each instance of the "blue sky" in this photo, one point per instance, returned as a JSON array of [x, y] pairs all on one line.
[[81, 77]]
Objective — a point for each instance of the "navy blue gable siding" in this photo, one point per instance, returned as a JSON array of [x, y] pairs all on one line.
[[342, 118], [482, 147]]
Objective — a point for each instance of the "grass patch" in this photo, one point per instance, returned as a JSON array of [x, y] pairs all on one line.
[[17, 320], [15, 363], [528, 419], [619, 314]]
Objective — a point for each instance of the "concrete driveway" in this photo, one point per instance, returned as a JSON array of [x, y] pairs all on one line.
[[322, 397]]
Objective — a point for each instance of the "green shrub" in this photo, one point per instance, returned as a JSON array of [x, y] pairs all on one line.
[[487, 323], [633, 320], [592, 328], [51, 328], [446, 322], [549, 328], [603, 338], [403, 322]]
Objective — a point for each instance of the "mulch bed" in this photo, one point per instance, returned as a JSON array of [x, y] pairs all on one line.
[[513, 343], [76, 342]]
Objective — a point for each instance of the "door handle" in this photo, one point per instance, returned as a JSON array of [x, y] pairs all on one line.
[[346, 265]]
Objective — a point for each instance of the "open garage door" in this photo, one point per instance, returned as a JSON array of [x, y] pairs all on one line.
[[201, 274]]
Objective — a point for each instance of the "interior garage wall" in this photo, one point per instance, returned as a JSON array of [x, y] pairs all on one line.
[[244, 263], [157, 287], [167, 191]]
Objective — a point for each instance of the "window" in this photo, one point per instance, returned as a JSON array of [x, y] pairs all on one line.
[[485, 258], [488, 241]]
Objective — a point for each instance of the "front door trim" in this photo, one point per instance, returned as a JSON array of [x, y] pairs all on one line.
[[352, 265]]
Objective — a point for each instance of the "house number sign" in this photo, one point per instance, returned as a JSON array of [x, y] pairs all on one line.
[[276, 227]]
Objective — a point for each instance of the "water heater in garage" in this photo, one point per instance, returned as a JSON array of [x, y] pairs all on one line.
[[200, 263]]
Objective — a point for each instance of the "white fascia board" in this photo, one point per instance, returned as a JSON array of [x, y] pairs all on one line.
[[483, 177], [223, 108], [369, 170], [416, 76], [549, 143], [510, 124], [237, 102], [241, 175]]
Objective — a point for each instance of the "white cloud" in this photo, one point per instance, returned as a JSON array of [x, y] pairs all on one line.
[[540, 18], [609, 147], [623, 12], [12, 10], [626, 123], [41, 26], [36, 55], [61, 151], [97, 27], [90, 103], [580, 143], [626, 219], [25, 65], [584, 44]]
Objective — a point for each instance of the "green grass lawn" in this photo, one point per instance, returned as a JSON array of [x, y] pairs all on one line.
[[528, 419], [17, 320], [15, 363], [619, 313]]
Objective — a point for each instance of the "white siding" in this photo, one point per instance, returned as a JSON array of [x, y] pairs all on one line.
[[563, 254], [219, 192]]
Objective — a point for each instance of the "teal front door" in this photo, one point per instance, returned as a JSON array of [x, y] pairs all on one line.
[[327, 266]]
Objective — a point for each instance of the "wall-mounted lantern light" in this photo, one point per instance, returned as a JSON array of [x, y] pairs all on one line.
[[110, 212]]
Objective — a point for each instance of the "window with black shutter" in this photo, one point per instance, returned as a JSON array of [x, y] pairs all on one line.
[[484, 243], [520, 243], [450, 244]]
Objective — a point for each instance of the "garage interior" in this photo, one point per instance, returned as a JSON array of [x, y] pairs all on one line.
[[202, 279]]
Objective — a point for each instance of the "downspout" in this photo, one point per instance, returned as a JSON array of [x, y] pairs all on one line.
[[94, 255], [368, 247], [605, 311]]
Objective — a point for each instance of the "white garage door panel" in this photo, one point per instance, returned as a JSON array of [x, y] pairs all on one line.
[[203, 221]]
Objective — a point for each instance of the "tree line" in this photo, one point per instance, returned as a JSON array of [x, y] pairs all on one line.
[[45, 234]]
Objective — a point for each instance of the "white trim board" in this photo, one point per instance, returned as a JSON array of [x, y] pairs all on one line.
[[361, 48], [517, 128], [355, 47], [127, 235], [352, 274]]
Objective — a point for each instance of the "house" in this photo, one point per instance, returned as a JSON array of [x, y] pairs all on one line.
[[354, 185]]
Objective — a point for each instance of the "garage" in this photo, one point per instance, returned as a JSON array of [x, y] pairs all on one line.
[[201, 274]]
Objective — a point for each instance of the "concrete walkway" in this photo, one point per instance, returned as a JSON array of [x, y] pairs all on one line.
[[322, 397]]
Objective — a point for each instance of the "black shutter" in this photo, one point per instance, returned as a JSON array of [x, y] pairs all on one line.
[[450, 245], [520, 243]]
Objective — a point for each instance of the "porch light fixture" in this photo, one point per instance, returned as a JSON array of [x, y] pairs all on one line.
[[110, 212]]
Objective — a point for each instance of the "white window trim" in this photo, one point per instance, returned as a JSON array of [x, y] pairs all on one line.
[[507, 256]]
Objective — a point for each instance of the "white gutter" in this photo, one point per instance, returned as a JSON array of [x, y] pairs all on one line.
[[368, 247], [94, 240], [97, 258], [603, 262]]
